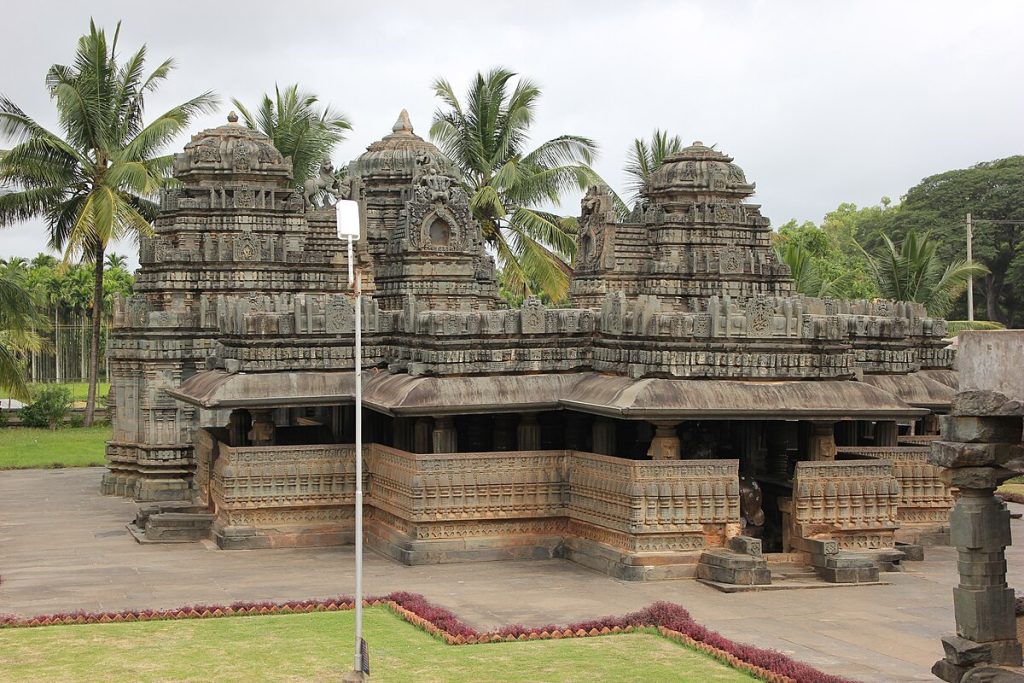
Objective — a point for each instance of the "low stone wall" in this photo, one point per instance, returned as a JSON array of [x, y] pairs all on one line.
[[854, 502], [924, 501], [616, 515], [272, 496]]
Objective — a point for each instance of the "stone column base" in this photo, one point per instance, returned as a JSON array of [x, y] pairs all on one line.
[[963, 655]]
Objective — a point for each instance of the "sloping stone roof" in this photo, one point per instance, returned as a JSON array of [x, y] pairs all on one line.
[[402, 394], [914, 389]]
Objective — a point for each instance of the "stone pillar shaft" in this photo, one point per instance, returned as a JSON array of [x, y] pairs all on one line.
[[604, 436], [446, 438], [822, 442], [665, 444], [528, 432]]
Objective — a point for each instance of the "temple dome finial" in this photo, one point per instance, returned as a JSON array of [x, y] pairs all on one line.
[[403, 124]]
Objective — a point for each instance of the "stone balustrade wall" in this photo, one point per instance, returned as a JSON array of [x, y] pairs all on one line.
[[633, 506], [264, 485], [648, 506], [924, 498], [426, 487], [854, 502]]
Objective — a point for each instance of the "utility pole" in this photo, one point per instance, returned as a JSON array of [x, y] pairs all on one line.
[[970, 278]]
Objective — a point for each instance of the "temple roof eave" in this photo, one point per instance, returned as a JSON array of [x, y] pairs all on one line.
[[608, 395]]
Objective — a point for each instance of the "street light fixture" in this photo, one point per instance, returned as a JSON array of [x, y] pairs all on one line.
[[348, 229]]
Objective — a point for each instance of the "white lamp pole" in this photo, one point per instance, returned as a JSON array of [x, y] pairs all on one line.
[[348, 228]]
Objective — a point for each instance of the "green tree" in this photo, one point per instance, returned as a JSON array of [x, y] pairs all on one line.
[[96, 183], [993, 192], [115, 260], [913, 271], [821, 262], [19, 319], [645, 157], [299, 127], [487, 140]]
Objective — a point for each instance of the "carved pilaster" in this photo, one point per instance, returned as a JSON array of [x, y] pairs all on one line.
[[422, 439], [822, 442], [528, 432], [886, 433], [604, 436], [263, 428], [665, 444], [446, 438]]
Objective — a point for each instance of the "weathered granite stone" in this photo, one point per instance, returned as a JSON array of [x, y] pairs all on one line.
[[986, 430], [980, 523]]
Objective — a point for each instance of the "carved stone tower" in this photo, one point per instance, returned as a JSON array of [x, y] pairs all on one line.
[[229, 251], [692, 237], [419, 231]]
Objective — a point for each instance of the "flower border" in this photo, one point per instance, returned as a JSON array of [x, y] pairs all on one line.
[[669, 619]]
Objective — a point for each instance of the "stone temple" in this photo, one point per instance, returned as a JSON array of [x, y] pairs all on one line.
[[686, 411]]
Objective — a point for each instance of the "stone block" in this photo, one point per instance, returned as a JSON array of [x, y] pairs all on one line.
[[725, 566], [975, 477], [985, 404], [958, 454], [948, 671], [848, 575], [994, 674], [986, 361], [964, 652], [746, 545], [977, 429], [912, 552], [985, 615]]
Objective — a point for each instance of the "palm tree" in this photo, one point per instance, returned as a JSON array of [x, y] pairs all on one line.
[[645, 157], [913, 272], [299, 128], [96, 183], [19, 318], [115, 261], [487, 141]]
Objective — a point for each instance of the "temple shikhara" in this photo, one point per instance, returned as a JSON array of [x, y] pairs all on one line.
[[686, 412]]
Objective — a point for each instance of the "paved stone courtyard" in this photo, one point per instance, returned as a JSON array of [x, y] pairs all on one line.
[[64, 547]]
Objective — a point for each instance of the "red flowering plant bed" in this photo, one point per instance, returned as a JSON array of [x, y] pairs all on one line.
[[668, 619]]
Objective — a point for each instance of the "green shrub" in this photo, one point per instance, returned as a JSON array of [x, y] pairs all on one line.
[[48, 409], [3, 417]]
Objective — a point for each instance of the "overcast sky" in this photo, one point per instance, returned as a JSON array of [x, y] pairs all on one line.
[[820, 102]]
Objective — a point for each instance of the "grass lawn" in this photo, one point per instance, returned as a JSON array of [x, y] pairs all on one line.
[[79, 390], [318, 646], [22, 447], [1012, 486]]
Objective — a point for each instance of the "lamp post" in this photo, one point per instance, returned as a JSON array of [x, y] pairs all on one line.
[[348, 228]]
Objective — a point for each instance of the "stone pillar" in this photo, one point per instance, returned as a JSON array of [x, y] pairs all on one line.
[[421, 439], [503, 438], [403, 428], [238, 427], [982, 434], [748, 445], [604, 436], [930, 424], [528, 433], [886, 433], [575, 431], [665, 444], [446, 438], [846, 433], [821, 443], [262, 431]]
